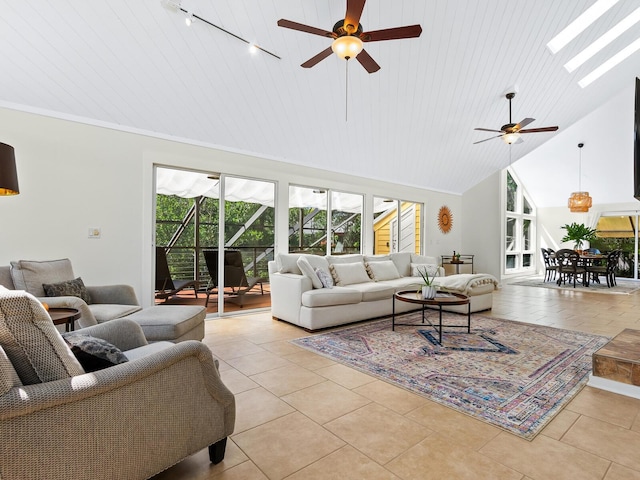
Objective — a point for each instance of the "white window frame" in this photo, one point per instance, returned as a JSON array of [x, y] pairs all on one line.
[[519, 216]]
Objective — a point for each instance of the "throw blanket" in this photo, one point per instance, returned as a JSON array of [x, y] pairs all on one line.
[[464, 282]]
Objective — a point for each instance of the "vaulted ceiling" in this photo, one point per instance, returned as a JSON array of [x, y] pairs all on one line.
[[135, 64]]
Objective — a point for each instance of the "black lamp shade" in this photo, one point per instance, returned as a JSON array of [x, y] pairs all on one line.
[[8, 172]]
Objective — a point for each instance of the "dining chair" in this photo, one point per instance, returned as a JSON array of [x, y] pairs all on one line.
[[569, 267], [608, 270], [550, 265]]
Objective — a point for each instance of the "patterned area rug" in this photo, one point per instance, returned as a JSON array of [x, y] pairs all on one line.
[[513, 375], [623, 287]]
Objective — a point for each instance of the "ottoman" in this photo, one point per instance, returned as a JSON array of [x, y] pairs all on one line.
[[173, 323]]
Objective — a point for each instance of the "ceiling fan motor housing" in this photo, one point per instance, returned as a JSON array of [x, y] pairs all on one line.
[[340, 29]]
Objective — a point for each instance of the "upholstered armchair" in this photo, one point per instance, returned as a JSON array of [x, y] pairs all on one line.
[[101, 303], [131, 420]]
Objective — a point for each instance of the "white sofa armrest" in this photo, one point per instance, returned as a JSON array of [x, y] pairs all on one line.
[[286, 295]]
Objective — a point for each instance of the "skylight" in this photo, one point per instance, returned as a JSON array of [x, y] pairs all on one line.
[[609, 64], [576, 27], [603, 41]]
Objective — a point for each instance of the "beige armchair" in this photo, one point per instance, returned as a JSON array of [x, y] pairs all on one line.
[[131, 420], [107, 301]]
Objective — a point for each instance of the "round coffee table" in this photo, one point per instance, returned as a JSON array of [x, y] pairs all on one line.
[[64, 316], [441, 299]]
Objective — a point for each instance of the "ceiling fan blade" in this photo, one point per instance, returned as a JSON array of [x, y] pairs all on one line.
[[541, 129], [367, 62], [318, 58], [488, 130], [410, 31], [354, 12], [487, 139], [523, 123], [304, 28]]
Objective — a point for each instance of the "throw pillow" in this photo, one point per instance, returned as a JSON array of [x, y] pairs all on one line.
[[325, 278], [349, 273], [430, 268], [382, 270], [31, 341], [94, 353], [307, 270], [70, 288]]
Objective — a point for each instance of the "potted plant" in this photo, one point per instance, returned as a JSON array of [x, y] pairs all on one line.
[[428, 289], [578, 233]]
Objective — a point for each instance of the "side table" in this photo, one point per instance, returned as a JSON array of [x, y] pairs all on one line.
[[64, 316]]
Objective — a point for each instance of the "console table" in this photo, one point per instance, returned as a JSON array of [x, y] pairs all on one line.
[[464, 260]]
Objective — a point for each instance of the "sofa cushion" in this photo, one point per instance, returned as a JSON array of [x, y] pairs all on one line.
[[324, 297], [318, 261], [146, 350], [307, 270], [93, 353], [415, 258], [31, 341], [30, 275], [382, 270], [420, 268], [349, 273], [374, 291], [376, 258], [104, 312], [351, 258], [325, 278], [288, 263], [68, 288], [403, 262], [169, 322]]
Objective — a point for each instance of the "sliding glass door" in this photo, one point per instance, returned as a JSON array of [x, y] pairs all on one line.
[[196, 212]]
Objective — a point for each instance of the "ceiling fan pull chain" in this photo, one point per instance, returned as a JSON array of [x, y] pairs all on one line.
[[346, 92]]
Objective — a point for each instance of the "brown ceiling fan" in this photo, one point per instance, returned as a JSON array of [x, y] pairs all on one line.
[[348, 37], [510, 132]]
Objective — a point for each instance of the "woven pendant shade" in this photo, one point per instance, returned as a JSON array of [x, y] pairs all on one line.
[[580, 202]]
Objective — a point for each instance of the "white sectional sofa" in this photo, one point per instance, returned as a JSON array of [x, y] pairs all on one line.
[[363, 287]]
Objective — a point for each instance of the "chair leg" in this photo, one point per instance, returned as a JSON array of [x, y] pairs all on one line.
[[216, 451]]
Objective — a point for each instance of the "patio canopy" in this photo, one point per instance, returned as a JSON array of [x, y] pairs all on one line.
[[189, 184]]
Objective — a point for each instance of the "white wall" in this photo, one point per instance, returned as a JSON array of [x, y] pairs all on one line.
[[482, 228], [74, 176]]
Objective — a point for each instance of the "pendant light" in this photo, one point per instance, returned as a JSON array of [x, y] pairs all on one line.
[[580, 201]]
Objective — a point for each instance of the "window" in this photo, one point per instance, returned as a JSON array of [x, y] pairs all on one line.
[[346, 220], [391, 235], [519, 243], [307, 220], [312, 230]]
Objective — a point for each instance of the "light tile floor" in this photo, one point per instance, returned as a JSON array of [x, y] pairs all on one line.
[[302, 416]]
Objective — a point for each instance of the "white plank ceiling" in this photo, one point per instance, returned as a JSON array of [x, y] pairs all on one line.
[[136, 64]]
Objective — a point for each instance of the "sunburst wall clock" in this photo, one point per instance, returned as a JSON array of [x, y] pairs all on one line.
[[445, 219]]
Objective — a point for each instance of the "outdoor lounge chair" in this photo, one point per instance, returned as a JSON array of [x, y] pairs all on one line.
[[235, 277], [165, 285]]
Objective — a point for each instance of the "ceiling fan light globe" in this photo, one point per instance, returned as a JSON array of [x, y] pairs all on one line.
[[510, 138], [347, 46]]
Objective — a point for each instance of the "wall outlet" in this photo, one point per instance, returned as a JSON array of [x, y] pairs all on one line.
[[94, 232]]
